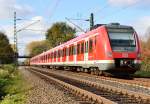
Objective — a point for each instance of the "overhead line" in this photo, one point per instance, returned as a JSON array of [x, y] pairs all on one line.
[[122, 9]]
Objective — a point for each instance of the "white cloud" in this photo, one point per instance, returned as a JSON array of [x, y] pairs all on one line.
[[7, 8], [141, 25], [34, 32], [123, 2]]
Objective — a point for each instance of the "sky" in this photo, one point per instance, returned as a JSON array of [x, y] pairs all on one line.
[[127, 12]]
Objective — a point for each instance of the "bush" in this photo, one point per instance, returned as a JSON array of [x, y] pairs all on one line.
[[143, 74], [12, 86]]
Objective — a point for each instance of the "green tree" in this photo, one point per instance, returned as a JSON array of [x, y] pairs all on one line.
[[60, 32], [37, 47], [6, 52]]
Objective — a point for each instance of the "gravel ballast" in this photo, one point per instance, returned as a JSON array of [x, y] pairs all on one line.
[[42, 92]]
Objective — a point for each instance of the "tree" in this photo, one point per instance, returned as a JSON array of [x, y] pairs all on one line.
[[6, 52], [145, 45], [37, 47], [59, 33]]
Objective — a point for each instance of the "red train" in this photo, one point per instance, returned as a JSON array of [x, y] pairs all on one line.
[[112, 48]]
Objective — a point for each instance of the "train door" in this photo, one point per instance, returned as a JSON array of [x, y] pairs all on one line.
[[75, 53], [86, 51], [71, 53], [64, 54], [91, 48], [61, 54], [67, 54]]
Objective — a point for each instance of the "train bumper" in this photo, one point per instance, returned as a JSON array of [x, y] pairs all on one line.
[[126, 66]]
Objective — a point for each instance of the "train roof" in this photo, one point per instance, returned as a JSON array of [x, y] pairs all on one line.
[[113, 25]]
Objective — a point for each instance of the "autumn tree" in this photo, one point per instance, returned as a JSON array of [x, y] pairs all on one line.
[[145, 45], [6, 52], [60, 32], [37, 47]]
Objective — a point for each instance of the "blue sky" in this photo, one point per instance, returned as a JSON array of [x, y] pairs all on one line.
[[128, 12], [82, 9]]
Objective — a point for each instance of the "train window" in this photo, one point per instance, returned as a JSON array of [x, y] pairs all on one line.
[[74, 50], [90, 45], [46, 57], [86, 46], [54, 54], [95, 40], [78, 49], [57, 54], [82, 48], [69, 51], [60, 53], [63, 52], [49, 56]]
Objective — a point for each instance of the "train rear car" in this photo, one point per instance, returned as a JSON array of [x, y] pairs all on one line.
[[121, 45]]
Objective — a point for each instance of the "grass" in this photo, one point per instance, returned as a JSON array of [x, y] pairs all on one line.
[[12, 86], [142, 74]]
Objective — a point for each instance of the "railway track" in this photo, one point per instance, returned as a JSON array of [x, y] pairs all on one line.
[[136, 85], [98, 93]]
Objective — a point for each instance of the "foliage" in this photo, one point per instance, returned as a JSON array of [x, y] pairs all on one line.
[[12, 86], [146, 54], [6, 52], [143, 74], [59, 32], [37, 47]]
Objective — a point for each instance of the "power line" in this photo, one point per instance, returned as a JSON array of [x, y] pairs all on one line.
[[124, 8], [53, 10], [100, 10], [75, 25]]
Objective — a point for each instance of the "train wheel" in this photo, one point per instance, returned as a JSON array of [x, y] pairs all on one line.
[[100, 73], [92, 71], [96, 71], [85, 70]]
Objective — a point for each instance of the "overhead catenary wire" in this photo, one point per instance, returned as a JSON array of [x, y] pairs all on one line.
[[122, 9], [78, 27], [52, 11]]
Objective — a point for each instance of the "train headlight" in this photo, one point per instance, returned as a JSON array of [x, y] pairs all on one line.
[[109, 54]]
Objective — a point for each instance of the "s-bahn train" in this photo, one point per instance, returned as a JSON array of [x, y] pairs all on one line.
[[111, 48]]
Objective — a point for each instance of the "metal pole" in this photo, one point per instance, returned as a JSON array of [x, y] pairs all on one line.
[[91, 21], [15, 42]]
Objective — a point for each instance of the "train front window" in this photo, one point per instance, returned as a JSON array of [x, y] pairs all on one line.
[[122, 41]]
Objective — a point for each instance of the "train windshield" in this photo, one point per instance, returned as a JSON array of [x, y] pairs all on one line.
[[122, 40]]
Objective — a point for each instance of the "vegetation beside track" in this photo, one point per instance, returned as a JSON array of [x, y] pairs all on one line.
[[12, 86], [142, 74]]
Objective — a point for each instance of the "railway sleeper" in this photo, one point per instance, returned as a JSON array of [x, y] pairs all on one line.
[[125, 97]]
